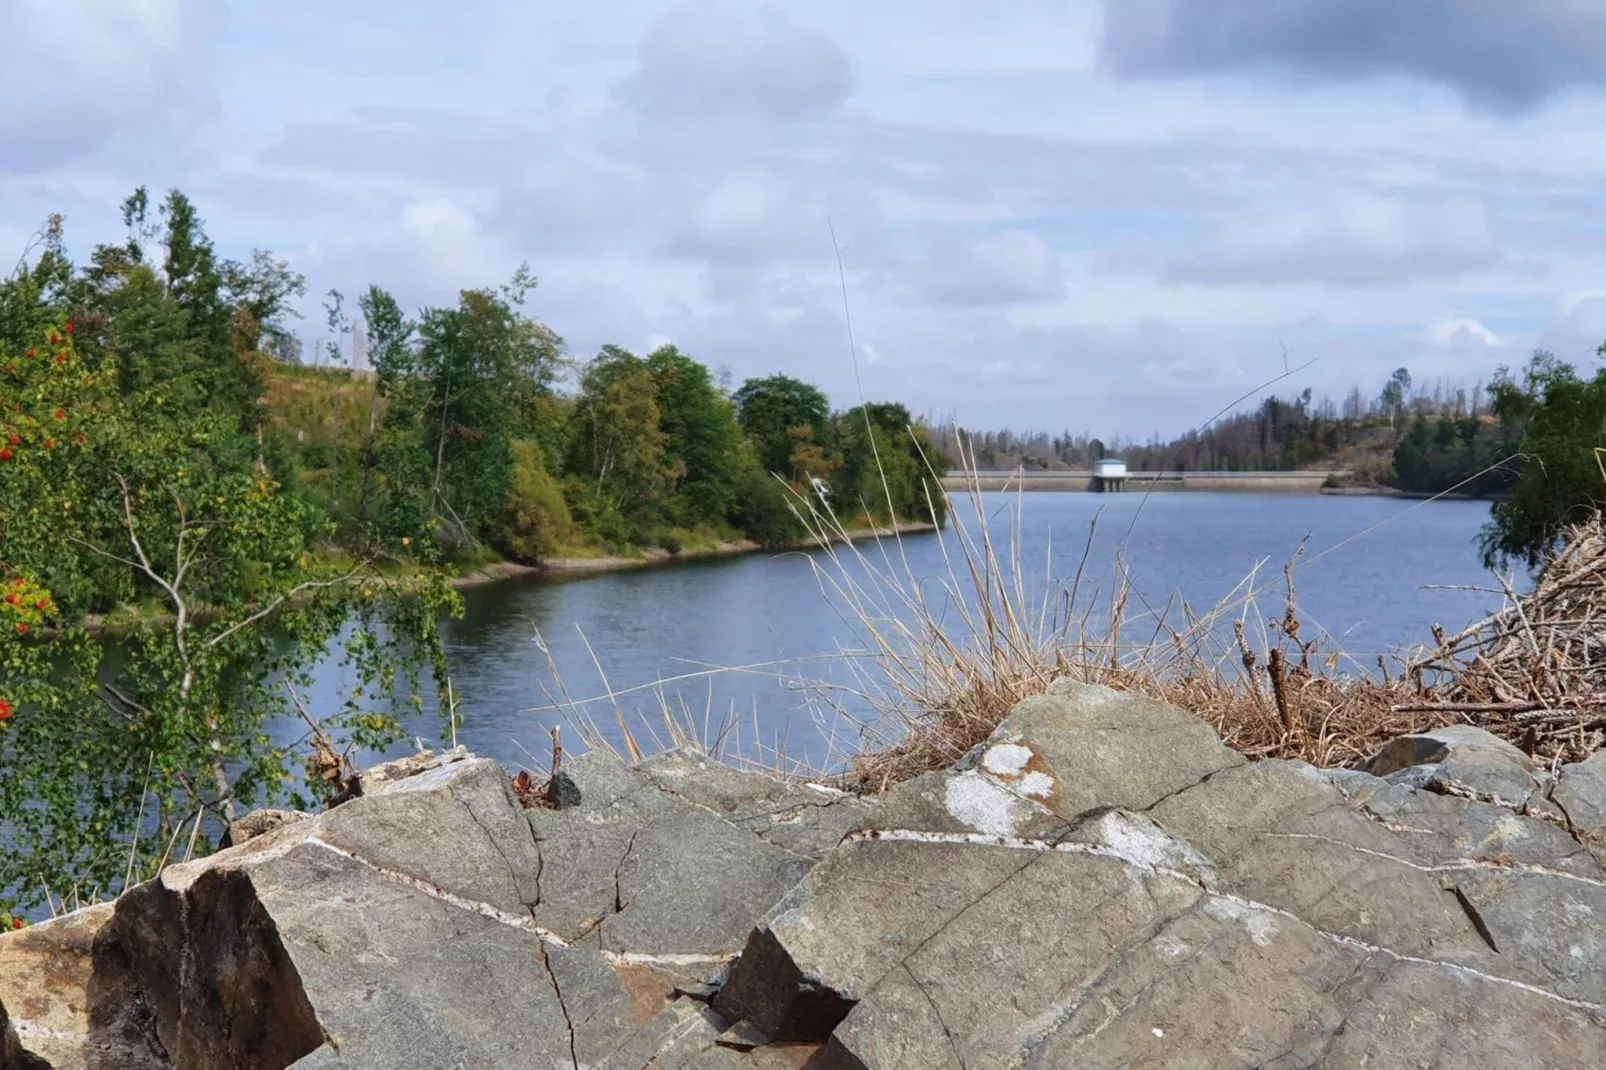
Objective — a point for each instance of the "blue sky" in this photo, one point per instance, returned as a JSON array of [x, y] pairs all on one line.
[[1112, 217]]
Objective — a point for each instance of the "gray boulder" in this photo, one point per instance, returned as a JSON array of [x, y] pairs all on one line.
[[1102, 884], [1461, 760], [1581, 792], [431, 921]]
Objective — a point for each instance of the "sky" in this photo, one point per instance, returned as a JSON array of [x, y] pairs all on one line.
[[1113, 217]]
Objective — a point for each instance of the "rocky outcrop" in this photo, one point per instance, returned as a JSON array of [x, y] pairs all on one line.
[[1102, 883], [1044, 905]]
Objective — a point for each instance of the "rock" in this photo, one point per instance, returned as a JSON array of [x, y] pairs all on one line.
[[71, 1000], [808, 819], [1462, 760], [1100, 886], [377, 776], [653, 878], [430, 921], [1581, 792], [256, 823]]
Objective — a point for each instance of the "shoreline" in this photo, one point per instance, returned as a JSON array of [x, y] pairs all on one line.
[[559, 567]]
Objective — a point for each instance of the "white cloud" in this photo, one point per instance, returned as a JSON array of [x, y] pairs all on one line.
[[701, 60], [1450, 332], [668, 172]]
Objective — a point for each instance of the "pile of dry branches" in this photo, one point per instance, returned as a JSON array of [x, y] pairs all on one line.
[[1535, 672]]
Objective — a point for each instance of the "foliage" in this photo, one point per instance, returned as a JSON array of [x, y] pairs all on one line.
[[1560, 420], [130, 474], [1466, 454], [771, 409], [890, 469], [534, 524]]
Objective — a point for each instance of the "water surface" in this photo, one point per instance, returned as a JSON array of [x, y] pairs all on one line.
[[761, 609]]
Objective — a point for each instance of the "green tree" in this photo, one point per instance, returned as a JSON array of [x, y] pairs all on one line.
[[890, 470], [701, 438], [771, 409], [458, 400], [618, 445], [535, 522], [1560, 419], [105, 500]]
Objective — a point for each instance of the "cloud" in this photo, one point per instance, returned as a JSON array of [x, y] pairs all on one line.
[[1498, 54], [1009, 267], [745, 217], [430, 251], [1577, 328], [1352, 241], [81, 71], [1462, 333], [705, 60]]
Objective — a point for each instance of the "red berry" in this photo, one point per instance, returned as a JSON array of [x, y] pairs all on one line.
[[22, 629], [32, 353], [16, 923], [5, 710], [60, 415], [42, 603], [50, 443], [61, 358], [68, 328], [5, 454], [13, 599]]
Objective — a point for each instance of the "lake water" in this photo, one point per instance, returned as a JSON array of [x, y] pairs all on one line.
[[768, 613]]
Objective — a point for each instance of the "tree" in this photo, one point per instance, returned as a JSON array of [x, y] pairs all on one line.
[[458, 400], [619, 446], [106, 501], [1395, 392], [701, 438], [1559, 419], [890, 469], [771, 409]]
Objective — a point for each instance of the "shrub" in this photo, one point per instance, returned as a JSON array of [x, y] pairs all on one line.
[[535, 522]]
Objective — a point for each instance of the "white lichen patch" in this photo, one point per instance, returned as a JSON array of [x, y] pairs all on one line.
[[1037, 785], [985, 806], [1136, 839], [1260, 924], [1006, 759]]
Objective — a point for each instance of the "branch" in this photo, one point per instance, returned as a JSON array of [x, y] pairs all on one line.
[[310, 585]]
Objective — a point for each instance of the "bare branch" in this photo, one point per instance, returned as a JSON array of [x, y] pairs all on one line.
[[311, 585]]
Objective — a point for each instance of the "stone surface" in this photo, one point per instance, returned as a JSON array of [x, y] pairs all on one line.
[[256, 823], [808, 819], [654, 877], [1461, 760], [1100, 884], [1581, 792], [432, 922], [71, 1001], [1039, 906]]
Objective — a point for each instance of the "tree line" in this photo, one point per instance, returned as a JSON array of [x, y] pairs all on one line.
[[167, 468]]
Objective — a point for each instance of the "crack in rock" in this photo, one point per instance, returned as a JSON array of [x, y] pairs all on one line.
[[952, 1043], [1474, 917], [473, 906], [557, 990], [512, 874], [1044, 846], [1459, 865]]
